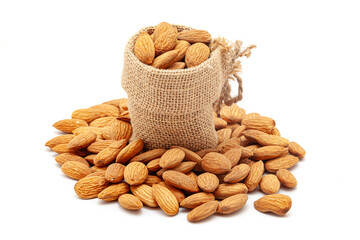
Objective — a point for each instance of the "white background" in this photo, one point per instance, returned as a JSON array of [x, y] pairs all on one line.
[[58, 56]]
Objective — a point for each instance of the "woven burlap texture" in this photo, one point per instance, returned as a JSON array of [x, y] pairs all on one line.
[[175, 107]]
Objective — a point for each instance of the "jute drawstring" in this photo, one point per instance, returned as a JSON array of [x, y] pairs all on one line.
[[232, 66]]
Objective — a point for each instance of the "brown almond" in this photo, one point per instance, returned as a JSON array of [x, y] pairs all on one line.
[[268, 152], [99, 145], [62, 139], [254, 176], [108, 155], [196, 54], [160, 29], [223, 134], [153, 165], [124, 116], [184, 167], [203, 211], [176, 65], [232, 114], [102, 122], [269, 184], [208, 182], [189, 155], [216, 163], [145, 194], [281, 163], [165, 199], [69, 125], [286, 178], [120, 130], [81, 130], [232, 204], [90, 187], [62, 148], [279, 204], [166, 41], [275, 131], [195, 36], [113, 192], [260, 123], [182, 46], [151, 180], [228, 144], [296, 150], [265, 139], [82, 140], [251, 115], [114, 102], [107, 109], [75, 170], [130, 151], [165, 60], [203, 152], [234, 155], [148, 156], [144, 48], [229, 189], [171, 158], [177, 192], [87, 114], [197, 199], [99, 169], [135, 173], [237, 173], [115, 173], [65, 157], [238, 131], [219, 123], [130, 202], [180, 180]]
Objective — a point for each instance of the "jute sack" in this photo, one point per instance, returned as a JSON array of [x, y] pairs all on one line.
[[175, 107]]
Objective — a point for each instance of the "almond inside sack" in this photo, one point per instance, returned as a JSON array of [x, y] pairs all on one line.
[[175, 107]]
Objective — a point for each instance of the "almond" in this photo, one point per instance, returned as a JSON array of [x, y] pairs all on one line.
[[279, 204], [144, 193], [82, 140], [234, 156], [87, 114], [108, 110], [251, 115], [177, 192], [182, 46], [63, 139], [69, 125], [75, 170], [130, 151], [125, 116], [268, 152], [219, 123], [99, 169], [144, 48], [196, 54], [238, 132], [208, 182], [65, 157], [108, 155], [223, 135], [99, 145], [102, 122], [264, 124], [148, 156], [275, 131], [105, 132], [115, 173], [176, 65], [113, 192], [197, 199], [228, 144], [189, 155], [265, 139], [171, 158], [184, 167], [62, 148], [123, 105], [114, 102], [195, 36], [203, 152], [203, 211], [192, 175], [160, 29], [165, 199], [130, 202], [216, 163], [232, 204], [296, 150], [153, 165], [237, 174], [81, 130], [90, 187], [286, 178], [150, 180], [180, 180], [281, 163], [232, 126], [166, 41], [232, 114], [229, 189], [100, 174], [165, 60], [269, 184], [120, 130], [254, 176], [135, 173]]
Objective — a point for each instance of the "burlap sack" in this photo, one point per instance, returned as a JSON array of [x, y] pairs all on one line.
[[175, 107]]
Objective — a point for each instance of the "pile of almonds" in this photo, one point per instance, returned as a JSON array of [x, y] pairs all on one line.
[[166, 48], [97, 151]]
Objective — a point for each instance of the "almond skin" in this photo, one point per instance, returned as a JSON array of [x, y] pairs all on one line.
[[108, 155], [203, 152], [279, 204], [81, 130], [238, 132], [165, 199], [102, 122], [130, 202], [229, 189], [165, 60], [82, 140], [180, 180], [219, 123], [203, 211], [268, 152], [113, 192], [62, 139], [108, 110], [115, 173], [130, 151], [99, 145], [69, 125], [223, 135], [281, 163], [234, 155], [148, 156], [176, 65], [177, 192], [87, 114], [232, 204], [171, 158], [196, 54], [135, 173], [265, 139], [269, 184], [237, 174], [144, 193], [75, 170], [208, 182], [184, 167], [254, 176], [62, 148], [166, 41], [216, 163], [153, 165], [232, 114], [189, 155], [160, 29], [197, 199], [260, 123], [120, 130], [151, 180], [195, 36], [182, 46], [144, 48], [296, 150], [286, 178], [65, 157], [90, 187]]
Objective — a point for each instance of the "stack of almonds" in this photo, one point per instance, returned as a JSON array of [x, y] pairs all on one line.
[[251, 153], [166, 48]]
